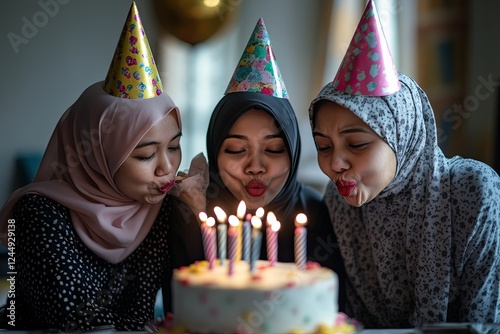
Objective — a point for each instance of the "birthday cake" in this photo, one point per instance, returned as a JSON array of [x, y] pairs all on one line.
[[276, 298]]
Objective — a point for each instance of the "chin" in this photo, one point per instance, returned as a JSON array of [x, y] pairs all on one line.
[[353, 201], [253, 203], [153, 199]]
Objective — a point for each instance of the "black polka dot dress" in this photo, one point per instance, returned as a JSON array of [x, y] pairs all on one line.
[[62, 285]]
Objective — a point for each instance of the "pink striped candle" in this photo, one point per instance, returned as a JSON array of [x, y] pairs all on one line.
[[232, 238], [212, 249], [203, 219], [272, 238], [300, 241]]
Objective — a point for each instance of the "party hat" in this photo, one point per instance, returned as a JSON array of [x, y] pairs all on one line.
[[368, 68], [257, 70], [133, 73]]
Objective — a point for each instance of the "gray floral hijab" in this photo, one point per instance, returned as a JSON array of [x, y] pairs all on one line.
[[413, 213]]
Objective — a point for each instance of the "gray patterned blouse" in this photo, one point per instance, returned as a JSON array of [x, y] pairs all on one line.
[[427, 248]]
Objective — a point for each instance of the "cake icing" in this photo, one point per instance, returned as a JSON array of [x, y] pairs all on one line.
[[272, 299]]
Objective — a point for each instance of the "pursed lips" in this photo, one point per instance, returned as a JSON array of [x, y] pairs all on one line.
[[255, 188], [345, 187], [166, 187]]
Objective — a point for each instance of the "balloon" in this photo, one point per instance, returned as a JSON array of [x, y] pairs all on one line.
[[194, 21]]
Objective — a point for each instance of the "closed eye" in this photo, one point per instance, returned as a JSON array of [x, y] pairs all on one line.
[[174, 148], [276, 151], [145, 158], [358, 146], [322, 148], [233, 152]]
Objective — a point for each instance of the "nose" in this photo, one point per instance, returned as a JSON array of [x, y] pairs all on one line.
[[164, 166], [338, 162], [255, 164]]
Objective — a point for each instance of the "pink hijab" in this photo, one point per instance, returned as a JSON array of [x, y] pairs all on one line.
[[90, 142]]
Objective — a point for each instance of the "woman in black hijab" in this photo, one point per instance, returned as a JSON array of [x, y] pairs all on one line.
[[293, 198], [253, 148]]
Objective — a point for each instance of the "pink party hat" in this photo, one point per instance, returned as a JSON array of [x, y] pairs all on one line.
[[258, 70], [368, 68], [133, 73]]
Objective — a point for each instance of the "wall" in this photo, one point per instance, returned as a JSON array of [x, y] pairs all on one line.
[[71, 47], [66, 46], [481, 105], [197, 76]]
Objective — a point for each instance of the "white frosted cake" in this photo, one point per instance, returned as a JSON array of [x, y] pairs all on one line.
[[272, 299]]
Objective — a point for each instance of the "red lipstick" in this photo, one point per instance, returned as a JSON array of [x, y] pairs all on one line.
[[345, 187], [165, 188], [255, 188]]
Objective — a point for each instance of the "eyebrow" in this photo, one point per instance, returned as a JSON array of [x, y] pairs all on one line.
[[246, 138], [149, 143], [343, 132]]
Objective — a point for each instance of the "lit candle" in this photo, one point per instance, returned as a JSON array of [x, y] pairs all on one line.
[[212, 250], [256, 241], [259, 213], [247, 228], [232, 238], [204, 233], [221, 233], [300, 241], [240, 213], [272, 238]]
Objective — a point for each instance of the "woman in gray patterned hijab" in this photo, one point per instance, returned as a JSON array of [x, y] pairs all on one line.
[[419, 232]]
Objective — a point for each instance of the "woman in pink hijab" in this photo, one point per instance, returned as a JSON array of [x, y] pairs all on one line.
[[94, 234], [97, 233]]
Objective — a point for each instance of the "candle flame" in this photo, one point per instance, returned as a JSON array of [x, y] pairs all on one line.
[[301, 219], [210, 221], [233, 220], [276, 226], [221, 215], [202, 216], [242, 208], [271, 218], [260, 212], [256, 222]]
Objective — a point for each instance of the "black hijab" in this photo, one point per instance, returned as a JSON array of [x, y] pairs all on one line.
[[229, 109]]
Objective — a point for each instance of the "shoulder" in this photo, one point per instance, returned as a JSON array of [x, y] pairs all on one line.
[[40, 205], [475, 190], [473, 177], [315, 208], [41, 223], [312, 200], [310, 194]]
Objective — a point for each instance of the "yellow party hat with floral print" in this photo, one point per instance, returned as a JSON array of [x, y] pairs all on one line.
[[133, 73]]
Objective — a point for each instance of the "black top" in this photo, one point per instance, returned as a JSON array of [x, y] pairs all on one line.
[[61, 284]]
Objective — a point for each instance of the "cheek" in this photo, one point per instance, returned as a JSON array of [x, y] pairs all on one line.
[[280, 169], [383, 169], [126, 177], [281, 172], [228, 166], [175, 160], [324, 165]]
